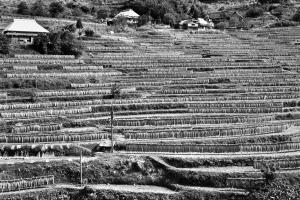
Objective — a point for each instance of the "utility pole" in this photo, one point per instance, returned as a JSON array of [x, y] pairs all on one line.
[[81, 181], [111, 127]]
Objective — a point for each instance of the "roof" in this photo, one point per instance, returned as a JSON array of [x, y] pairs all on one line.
[[128, 14], [202, 22], [237, 14], [25, 25]]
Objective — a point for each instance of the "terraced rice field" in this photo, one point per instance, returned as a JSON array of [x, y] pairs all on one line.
[[232, 93]]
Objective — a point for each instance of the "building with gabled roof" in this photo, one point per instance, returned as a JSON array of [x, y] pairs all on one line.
[[130, 16], [24, 30]]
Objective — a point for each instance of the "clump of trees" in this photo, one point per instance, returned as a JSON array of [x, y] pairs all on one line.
[[23, 8], [296, 16], [4, 44], [254, 12], [54, 9], [166, 11], [60, 43]]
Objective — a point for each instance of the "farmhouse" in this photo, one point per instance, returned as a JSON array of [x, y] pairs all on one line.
[[130, 16], [195, 24], [24, 30], [236, 19]]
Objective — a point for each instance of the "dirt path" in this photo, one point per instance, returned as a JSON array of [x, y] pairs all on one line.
[[14, 160], [218, 155], [124, 188], [215, 190], [230, 169]]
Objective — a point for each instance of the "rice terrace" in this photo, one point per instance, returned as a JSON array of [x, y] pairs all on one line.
[[150, 100]]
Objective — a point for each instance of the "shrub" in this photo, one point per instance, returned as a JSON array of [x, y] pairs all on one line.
[[4, 44], [283, 23], [56, 8], [89, 33], [222, 25], [254, 12], [269, 1], [296, 16], [71, 28], [280, 188], [79, 24], [23, 8]]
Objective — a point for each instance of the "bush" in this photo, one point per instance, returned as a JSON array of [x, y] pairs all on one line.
[[23, 8], [269, 1], [283, 23], [296, 16], [4, 44], [89, 33], [56, 8], [222, 25], [254, 12], [279, 189]]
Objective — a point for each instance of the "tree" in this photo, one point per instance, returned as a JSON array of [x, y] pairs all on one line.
[[103, 12], [85, 9], [144, 19], [62, 42], [169, 18], [23, 8], [55, 43], [197, 12], [40, 43], [79, 24], [39, 9], [296, 16], [69, 45], [77, 12], [4, 44], [56, 8]]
